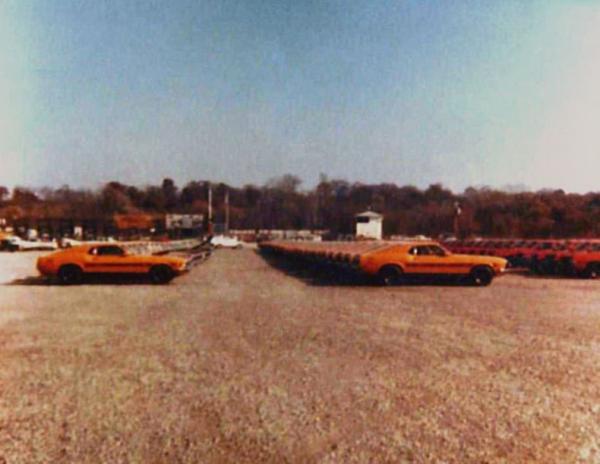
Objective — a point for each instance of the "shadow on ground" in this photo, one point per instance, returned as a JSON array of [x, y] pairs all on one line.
[[322, 275], [88, 280]]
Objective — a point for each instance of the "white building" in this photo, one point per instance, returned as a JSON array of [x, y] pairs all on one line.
[[184, 221], [369, 225]]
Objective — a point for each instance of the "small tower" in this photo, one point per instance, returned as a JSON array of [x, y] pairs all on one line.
[[369, 225]]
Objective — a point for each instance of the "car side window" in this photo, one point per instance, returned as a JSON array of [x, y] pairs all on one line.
[[436, 250], [423, 250], [110, 251]]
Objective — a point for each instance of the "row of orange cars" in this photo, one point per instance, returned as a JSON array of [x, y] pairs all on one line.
[[579, 257], [392, 262], [477, 261]]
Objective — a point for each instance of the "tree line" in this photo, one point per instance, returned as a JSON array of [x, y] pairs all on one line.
[[281, 203]]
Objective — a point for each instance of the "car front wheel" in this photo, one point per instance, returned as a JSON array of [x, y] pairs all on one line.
[[481, 276], [161, 275], [70, 275], [390, 275]]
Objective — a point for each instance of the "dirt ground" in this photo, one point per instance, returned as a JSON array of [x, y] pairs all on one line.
[[240, 361]]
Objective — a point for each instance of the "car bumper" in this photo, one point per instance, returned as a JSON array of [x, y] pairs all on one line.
[[45, 269]]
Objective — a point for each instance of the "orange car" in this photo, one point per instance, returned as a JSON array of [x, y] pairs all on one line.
[[72, 264], [423, 258]]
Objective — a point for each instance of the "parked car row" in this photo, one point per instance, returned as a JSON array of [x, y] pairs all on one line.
[[224, 241], [393, 262], [544, 256], [14, 243]]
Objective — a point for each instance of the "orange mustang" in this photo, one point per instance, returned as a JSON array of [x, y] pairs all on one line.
[[72, 264], [421, 258]]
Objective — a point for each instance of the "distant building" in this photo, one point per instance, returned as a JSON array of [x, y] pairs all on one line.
[[369, 225], [135, 225], [184, 225], [134, 221]]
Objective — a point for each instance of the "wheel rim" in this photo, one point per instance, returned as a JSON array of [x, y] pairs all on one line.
[[159, 275], [156, 276], [391, 277], [481, 278], [70, 276]]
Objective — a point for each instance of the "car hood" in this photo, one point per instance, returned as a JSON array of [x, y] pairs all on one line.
[[158, 259], [175, 259]]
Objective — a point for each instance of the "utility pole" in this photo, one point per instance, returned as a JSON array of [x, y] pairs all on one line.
[[457, 213], [227, 211], [210, 228]]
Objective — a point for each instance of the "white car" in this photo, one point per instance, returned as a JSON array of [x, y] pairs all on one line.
[[18, 244], [222, 241], [68, 242]]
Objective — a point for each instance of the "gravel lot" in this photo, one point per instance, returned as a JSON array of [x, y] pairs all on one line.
[[239, 361]]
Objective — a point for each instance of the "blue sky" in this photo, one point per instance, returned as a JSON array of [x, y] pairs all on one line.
[[495, 92]]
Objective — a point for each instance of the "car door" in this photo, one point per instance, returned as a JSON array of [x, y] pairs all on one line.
[[421, 260], [108, 259], [445, 262], [432, 259]]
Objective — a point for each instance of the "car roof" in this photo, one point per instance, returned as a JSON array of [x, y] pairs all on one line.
[[412, 243], [88, 246]]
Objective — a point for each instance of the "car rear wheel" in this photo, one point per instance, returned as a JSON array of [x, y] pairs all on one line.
[[161, 275], [70, 275], [481, 276], [390, 275]]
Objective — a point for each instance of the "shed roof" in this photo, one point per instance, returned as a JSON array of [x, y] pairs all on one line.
[[370, 214]]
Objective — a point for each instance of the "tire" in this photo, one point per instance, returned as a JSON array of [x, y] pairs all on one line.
[[543, 268], [161, 275], [70, 274], [565, 267], [481, 276], [534, 266], [390, 276], [592, 271], [519, 261]]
